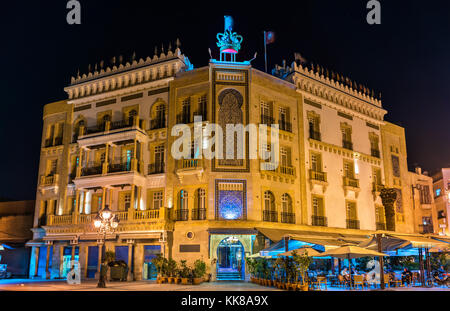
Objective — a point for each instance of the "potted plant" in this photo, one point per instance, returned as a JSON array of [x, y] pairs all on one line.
[[185, 273], [302, 263], [118, 270], [198, 271], [251, 268], [171, 270], [160, 264]]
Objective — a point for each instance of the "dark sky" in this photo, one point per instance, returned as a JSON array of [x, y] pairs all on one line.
[[406, 58]]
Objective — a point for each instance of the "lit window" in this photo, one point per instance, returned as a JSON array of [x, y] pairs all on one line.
[[438, 192]]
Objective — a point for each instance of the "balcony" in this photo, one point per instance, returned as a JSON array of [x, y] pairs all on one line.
[[201, 113], [119, 167], [376, 187], [157, 124], [198, 214], [53, 142], [318, 176], [319, 221], [315, 135], [347, 145], [270, 216], [187, 167], [267, 120], [375, 153], [156, 168], [352, 224], [49, 180], [288, 218], [184, 118], [92, 169], [285, 126], [426, 229], [381, 226], [181, 214], [351, 182], [280, 169], [88, 219]]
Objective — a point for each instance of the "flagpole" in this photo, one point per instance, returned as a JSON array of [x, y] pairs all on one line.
[[265, 50]]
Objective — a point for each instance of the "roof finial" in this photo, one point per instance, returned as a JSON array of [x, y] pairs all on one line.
[[133, 57], [170, 47], [178, 43], [102, 63], [156, 51], [113, 60], [120, 59]]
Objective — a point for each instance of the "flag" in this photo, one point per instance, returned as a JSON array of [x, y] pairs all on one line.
[[270, 37]]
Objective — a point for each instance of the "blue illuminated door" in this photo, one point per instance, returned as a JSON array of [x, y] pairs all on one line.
[[92, 261]]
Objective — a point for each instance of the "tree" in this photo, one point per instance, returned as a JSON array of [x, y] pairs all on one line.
[[389, 197]]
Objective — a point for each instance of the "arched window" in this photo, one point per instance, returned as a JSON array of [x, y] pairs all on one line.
[[287, 214], [131, 115], [270, 213], [286, 203], [182, 212], [200, 205], [269, 201]]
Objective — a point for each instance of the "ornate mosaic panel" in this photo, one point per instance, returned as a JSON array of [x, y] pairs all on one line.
[[399, 201], [231, 199], [395, 166]]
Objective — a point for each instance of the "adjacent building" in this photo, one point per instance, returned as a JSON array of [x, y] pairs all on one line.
[[441, 192], [110, 143], [16, 221]]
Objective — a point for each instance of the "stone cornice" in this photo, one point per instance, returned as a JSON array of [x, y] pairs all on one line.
[[134, 74]]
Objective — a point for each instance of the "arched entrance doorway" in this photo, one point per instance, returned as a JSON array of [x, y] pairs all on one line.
[[230, 259]]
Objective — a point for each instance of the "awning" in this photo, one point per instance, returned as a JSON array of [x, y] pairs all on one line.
[[37, 242], [326, 239], [419, 242]]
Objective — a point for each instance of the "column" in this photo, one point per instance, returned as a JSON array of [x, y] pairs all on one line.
[[138, 261], [83, 261], [73, 253], [47, 260], [36, 260], [131, 210], [422, 276], [100, 257], [134, 160], [381, 259], [130, 260], [106, 163], [104, 189], [80, 161]]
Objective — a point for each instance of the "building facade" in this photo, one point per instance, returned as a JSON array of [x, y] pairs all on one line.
[[16, 220], [441, 191], [111, 143]]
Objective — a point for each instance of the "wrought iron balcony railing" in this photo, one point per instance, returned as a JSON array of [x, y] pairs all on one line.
[[375, 153], [271, 216], [315, 135], [287, 218], [157, 124], [267, 120], [181, 214], [352, 224], [319, 176], [156, 168], [381, 226], [320, 221], [184, 118], [351, 182], [198, 214], [285, 126], [347, 144]]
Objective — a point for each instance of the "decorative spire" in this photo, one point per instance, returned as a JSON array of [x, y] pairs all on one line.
[[120, 59], [178, 43], [102, 63], [133, 57], [156, 51], [170, 47], [113, 61]]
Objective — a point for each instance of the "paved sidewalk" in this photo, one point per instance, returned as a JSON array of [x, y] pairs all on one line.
[[42, 285]]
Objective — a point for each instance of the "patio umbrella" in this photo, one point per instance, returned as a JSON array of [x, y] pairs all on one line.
[[301, 251], [350, 252], [257, 255], [1, 247]]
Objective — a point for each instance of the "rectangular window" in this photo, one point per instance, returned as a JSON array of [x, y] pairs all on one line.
[[317, 205], [157, 200], [285, 155], [316, 162], [351, 210], [425, 196], [349, 170], [395, 166]]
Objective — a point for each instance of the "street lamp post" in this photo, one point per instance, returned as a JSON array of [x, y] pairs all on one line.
[[105, 222]]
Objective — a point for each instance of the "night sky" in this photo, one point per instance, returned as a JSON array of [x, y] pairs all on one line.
[[406, 58]]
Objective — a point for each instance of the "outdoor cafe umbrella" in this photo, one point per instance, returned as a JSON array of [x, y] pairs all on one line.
[[350, 252], [301, 251], [257, 255]]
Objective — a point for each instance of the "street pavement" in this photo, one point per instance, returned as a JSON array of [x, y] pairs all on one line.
[[39, 285]]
